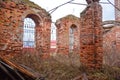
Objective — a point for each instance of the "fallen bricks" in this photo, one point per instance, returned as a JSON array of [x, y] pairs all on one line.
[[12, 71]]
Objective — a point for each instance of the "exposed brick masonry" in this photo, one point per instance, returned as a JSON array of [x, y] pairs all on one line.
[[111, 46], [87, 33], [91, 51], [12, 14], [117, 11], [63, 34]]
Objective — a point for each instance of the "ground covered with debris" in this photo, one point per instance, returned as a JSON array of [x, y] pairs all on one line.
[[63, 67]]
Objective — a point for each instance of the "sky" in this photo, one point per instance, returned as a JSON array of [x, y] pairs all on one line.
[[108, 9]]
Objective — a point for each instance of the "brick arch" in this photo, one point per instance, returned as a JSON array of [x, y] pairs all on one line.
[[12, 23], [43, 23], [35, 18], [38, 28], [73, 26], [32, 14]]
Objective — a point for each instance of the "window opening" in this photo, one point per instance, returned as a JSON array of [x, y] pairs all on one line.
[[71, 37], [53, 36], [29, 33]]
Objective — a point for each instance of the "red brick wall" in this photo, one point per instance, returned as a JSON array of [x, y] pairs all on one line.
[[91, 37], [63, 27], [111, 46], [117, 12], [12, 15]]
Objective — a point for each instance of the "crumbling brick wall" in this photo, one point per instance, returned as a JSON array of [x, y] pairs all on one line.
[[117, 12], [63, 34], [12, 15], [91, 36], [111, 46]]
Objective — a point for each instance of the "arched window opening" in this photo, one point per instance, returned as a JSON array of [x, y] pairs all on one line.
[[72, 37], [29, 33], [53, 36]]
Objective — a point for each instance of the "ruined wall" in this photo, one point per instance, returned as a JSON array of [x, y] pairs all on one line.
[[117, 12], [111, 40], [91, 37], [111, 46], [12, 15], [63, 34]]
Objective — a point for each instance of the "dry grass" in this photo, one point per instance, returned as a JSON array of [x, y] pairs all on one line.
[[111, 55], [64, 67], [50, 68]]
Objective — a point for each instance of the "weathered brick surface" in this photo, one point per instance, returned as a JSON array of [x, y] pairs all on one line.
[[63, 32], [111, 44], [117, 12], [111, 40], [91, 37], [12, 14]]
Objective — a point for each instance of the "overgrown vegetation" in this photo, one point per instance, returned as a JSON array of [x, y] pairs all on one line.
[[64, 67]]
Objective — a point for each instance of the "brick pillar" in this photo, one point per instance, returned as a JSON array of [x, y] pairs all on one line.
[[117, 12], [46, 37], [91, 50]]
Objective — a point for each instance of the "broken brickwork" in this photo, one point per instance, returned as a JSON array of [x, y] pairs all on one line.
[[117, 10], [111, 39], [111, 46], [12, 15], [68, 34], [91, 36], [88, 37]]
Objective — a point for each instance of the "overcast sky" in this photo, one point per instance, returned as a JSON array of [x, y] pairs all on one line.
[[108, 10]]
